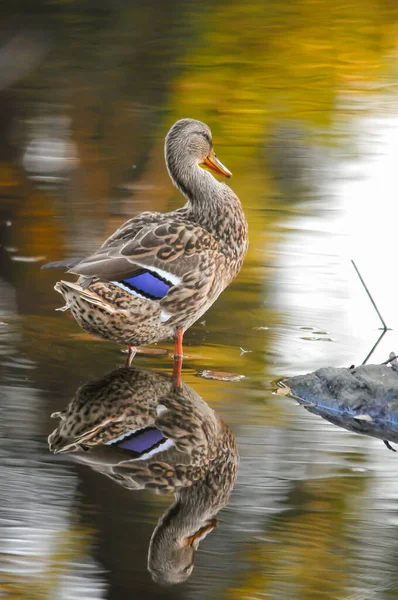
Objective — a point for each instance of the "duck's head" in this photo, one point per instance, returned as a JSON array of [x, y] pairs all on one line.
[[175, 541], [190, 142]]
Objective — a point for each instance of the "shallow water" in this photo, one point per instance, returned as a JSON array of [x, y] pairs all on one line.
[[301, 99]]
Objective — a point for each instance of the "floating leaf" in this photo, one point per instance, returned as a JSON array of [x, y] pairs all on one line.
[[148, 351], [312, 338], [152, 351], [220, 375]]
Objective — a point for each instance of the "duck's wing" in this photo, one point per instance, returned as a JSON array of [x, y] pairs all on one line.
[[133, 226], [127, 231], [169, 248], [122, 402], [68, 263]]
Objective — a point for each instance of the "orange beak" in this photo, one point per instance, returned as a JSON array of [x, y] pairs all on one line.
[[194, 539], [215, 165]]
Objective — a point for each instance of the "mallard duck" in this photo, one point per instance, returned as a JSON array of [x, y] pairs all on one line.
[[136, 427], [159, 272]]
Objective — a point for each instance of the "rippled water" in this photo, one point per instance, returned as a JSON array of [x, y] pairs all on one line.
[[301, 99]]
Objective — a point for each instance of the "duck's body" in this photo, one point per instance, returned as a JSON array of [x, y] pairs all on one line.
[[160, 272]]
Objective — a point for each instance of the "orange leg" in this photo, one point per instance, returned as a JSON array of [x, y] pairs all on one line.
[[178, 343], [131, 352], [177, 367]]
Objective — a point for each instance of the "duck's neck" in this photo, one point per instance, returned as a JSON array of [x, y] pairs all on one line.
[[210, 203], [197, 185]]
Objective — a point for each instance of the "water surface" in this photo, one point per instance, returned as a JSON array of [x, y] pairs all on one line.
[[301, 99]]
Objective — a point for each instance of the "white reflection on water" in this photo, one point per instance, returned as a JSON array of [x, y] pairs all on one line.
[[316, 285], [38, 535], [317, 289], [44, 553]]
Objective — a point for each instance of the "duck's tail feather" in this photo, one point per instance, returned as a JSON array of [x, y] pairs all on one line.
[[67, 289], [62, 264]]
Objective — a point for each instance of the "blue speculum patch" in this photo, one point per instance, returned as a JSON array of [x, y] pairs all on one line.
[[142, 441], [148, 284]]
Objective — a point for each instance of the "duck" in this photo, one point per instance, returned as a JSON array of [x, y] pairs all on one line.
[[139, 429], [160, 272]]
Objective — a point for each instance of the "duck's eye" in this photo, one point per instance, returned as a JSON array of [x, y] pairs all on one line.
[[206, 136]]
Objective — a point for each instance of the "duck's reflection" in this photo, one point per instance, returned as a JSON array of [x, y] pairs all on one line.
[[136, 427]]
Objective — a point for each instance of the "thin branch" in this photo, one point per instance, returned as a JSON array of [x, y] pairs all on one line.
[[383, 333], [385, 328]]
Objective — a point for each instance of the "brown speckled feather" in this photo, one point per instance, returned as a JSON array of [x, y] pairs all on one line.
[[175, 246]]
